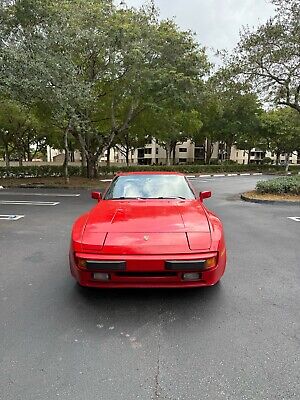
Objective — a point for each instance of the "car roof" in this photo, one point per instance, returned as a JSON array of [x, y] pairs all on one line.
[[149, 173]]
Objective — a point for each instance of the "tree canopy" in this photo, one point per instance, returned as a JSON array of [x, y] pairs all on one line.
[[268, 57]]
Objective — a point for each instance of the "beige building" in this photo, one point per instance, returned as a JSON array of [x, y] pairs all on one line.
[[257, 155], [186, 153]]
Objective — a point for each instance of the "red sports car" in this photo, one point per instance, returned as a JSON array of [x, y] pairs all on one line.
[[149, 229]]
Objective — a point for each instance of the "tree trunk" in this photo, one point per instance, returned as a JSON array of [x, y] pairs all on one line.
[[91, 166], [66, 160], [95, 169], [127, 155], [228, 150], [168, 154], [28, 152], [286, 162], [20, 161], [249, 155], [89, 172], [6, 156], [208, 152], [174, 155], [277, 157], [83, 160], [108, 157]]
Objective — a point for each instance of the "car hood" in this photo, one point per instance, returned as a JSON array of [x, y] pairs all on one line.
[[147, 227]]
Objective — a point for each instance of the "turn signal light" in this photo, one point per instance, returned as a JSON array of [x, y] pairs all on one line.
[[210, 262], [81, 262]]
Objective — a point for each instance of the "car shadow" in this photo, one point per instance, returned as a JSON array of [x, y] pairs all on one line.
[[138, 309]]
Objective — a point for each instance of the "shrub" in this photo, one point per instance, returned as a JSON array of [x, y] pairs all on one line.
[[267, 160], [38, 171], [196, 169], [42, 171], [282, 185]]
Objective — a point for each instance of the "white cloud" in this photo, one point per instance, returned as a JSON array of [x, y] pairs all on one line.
[[216, 22]]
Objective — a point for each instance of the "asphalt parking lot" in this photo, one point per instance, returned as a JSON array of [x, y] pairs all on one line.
[[238, 340]]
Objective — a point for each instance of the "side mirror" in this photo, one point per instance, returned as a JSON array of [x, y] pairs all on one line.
[[205, 195], [96, 196]]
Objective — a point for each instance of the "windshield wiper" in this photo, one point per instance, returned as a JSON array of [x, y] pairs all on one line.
[[162, 197], [125, 198]]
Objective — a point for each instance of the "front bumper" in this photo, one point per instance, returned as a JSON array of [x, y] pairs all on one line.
[[148, 271]]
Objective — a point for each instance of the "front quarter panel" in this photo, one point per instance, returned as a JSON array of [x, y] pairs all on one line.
[[77, 232], [218, 238]]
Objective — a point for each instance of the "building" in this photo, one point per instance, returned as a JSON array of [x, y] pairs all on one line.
[[187, 152]]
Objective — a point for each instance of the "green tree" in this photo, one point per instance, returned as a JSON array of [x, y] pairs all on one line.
[[97, 66], [281, 132], [229, 112], [268, 57], [171, 126], [20, 131]]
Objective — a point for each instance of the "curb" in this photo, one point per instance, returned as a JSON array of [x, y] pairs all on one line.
[[225, 174], [47, 187], [274, 202]]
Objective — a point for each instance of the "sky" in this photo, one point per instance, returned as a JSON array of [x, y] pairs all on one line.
[[216, 22]]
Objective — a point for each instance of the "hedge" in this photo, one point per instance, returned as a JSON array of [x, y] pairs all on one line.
[[41, 171], [199, 169], [38, 171], [282, 185]]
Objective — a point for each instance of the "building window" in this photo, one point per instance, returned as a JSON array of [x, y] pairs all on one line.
[[199, 153], [148, 150], [156, 150], [182, 160], [182, 150], [237, 153], [141, 153]]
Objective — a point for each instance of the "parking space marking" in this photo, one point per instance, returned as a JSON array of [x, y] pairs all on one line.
[[40, 194], [297, 219], [105, 180], [29, 203], [11, 217]]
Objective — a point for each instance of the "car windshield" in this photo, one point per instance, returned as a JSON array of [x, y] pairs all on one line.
[[149, 187]]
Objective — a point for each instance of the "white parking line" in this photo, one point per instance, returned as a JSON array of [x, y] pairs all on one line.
[[105, 180], [29, 203], [11, 217], [39, 194], [245, 174], [297, 219], [219, 175], [257, 173]]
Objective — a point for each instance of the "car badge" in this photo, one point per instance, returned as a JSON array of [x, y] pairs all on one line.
[[146, 237]]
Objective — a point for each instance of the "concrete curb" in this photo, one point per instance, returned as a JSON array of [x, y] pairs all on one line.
[[274, 202], [223, 175], [48, 187]]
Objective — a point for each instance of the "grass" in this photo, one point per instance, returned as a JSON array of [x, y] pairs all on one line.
[[272, 197]]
